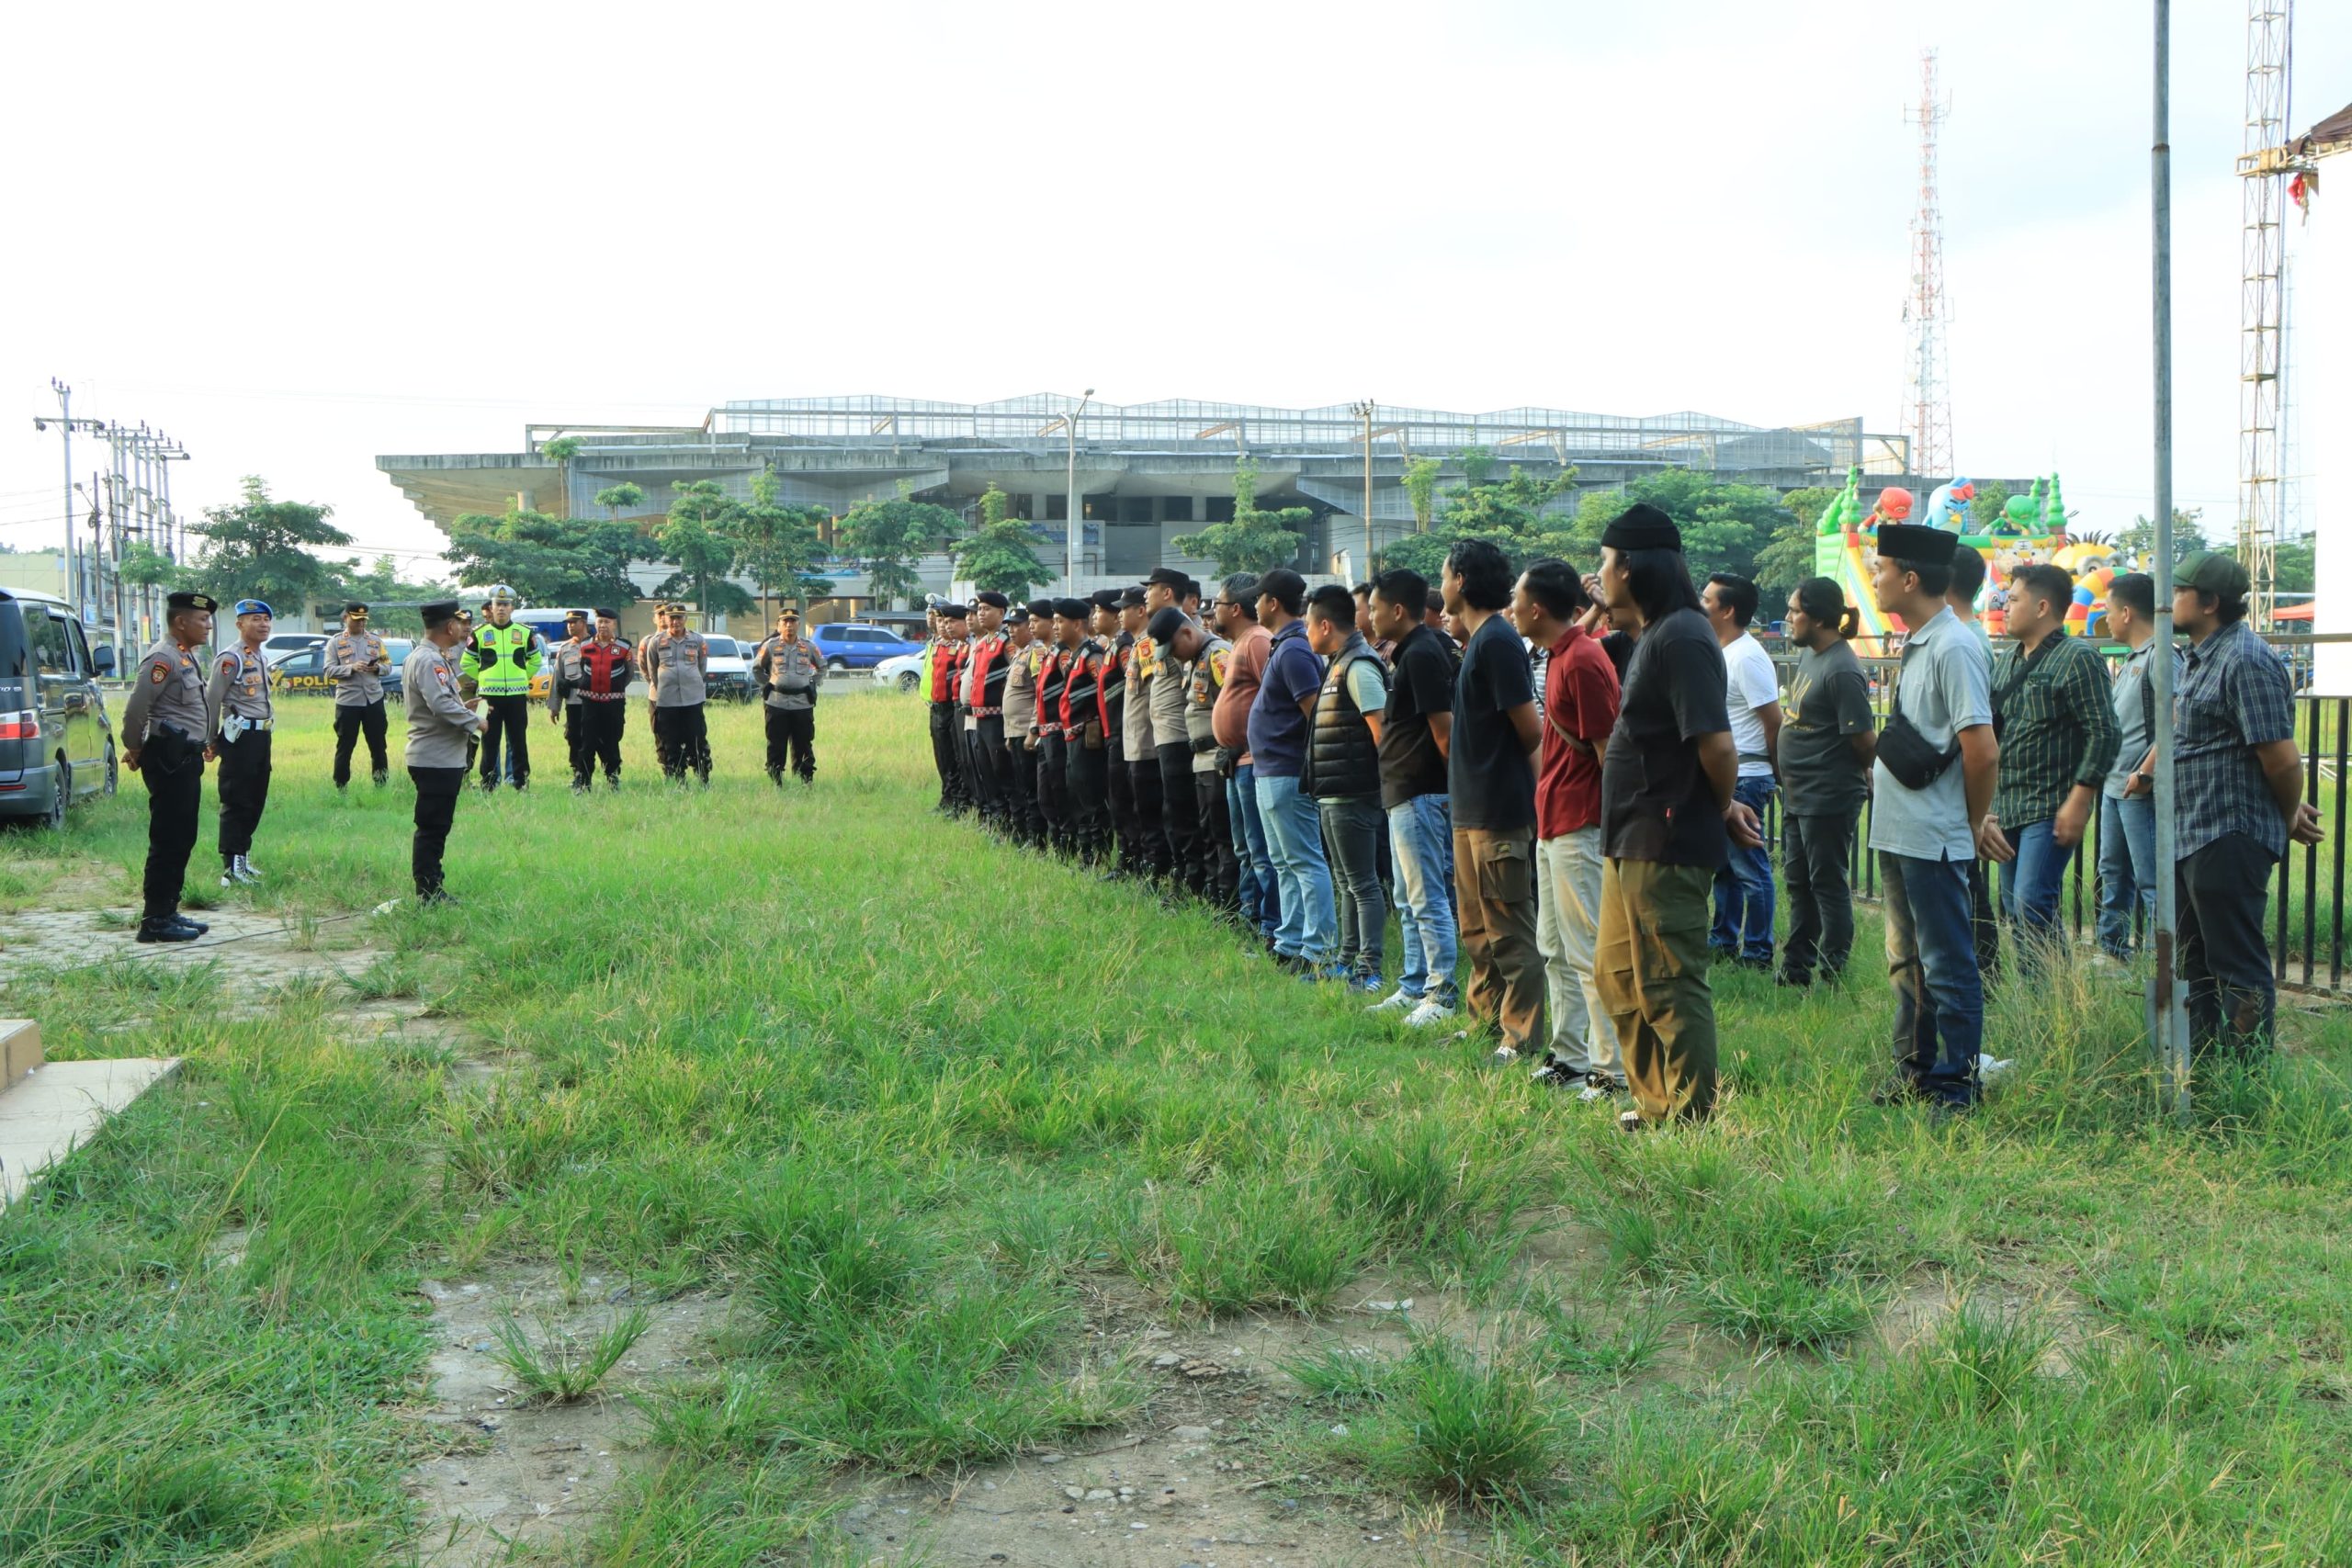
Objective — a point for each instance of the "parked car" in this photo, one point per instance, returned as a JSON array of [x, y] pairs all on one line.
[[902, 673], [57, 744], [729, 673], [305, 674], [851, 645], [280, 646]]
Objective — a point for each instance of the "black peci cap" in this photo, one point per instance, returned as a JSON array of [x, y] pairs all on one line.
[[204, 602], [1917, 544], [1642, 526]]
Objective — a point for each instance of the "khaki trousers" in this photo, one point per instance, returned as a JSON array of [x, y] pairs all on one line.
[[1494, 885], [1651, 971]]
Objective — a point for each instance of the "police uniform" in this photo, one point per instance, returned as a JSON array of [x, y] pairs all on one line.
[[356, 662], [441, 731], [1111, 706], [591, 683], [501, 659], [1083, 738], [163, 736], [946, 745], [1053, 740], [1220, 866], [563, 703], [1139, 740], [980, 696], [788, 670], [1022, 663], [676, 667], [240, 718]]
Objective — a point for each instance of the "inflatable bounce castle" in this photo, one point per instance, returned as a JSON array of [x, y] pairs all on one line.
[[2030, 527]]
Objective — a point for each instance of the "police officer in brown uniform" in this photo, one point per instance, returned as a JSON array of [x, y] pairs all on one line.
[[356, 661], [676, 663], [240, 715], [787, 669], [162, 741]]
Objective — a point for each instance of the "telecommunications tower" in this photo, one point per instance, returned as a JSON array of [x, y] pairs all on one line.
[[1928, 419], [2263, 164]]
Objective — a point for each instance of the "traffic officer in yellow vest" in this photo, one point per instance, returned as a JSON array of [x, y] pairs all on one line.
[[502, 658], [239, 719], [163, 742]]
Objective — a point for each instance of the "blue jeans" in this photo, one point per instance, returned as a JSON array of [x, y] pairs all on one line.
[[1294, 837], [1420, 844], [1931, 958], [1743, 888], [2030, 885], [1261, 902], [2127, 870]]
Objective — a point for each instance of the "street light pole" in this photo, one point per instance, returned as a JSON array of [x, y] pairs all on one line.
[[1076, 526], [2168, 1020], [1365, 410]]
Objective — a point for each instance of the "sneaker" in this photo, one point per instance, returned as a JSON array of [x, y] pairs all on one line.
[[1292, 964], [381, 779], [1989, 1068], [246, 870], [1633, 1122], [1331, 973], [229, 877], [166, 931], [1431, 1011], [1397, 1001], [1599, 1087], [1556, 1073], [1371, 984], [1504, 1056], [198, 927], [1896, 1091]]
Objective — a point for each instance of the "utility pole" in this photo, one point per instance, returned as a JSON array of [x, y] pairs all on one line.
[[69, 581], [2168, 1020], [1365, 410], [1077, 529], [1929, 418]]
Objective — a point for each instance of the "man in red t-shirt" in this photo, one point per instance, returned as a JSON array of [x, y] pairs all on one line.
[[1236, 614], [1579, 710]]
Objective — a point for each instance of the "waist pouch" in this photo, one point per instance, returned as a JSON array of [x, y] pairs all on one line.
[[1914, 763]]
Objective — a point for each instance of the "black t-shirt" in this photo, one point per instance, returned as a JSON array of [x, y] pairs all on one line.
[[1620, 649], [1420, 685], [1828, 703], [1488, 771], [1656, 802]]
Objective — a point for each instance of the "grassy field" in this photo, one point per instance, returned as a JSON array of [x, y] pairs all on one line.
[[948, 1145]]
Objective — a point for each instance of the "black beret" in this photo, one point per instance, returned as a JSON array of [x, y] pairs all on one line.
[[204, 602], [1105, 599], [1070, 609], [438, 611], [1041, 608], [1165, 624], [990, 597], [953, 612], [1919, 546], [1132, 599], [1017, 616], [1642, 526], [603, 615], [1169, 577]]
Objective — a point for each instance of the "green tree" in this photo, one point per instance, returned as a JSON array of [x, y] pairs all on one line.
[[614, 499], [563, 449], [2137, 543], [1724, 525], [382, 583], [1992, 499], [548, 560], [144, 566], [1420, 489], [1001, 554], [1478, 462], [1786, 557], [1255, 540], [698, 539], [1516, 513], [887, 537], [779, 545], [266, 548], [2295, 566]]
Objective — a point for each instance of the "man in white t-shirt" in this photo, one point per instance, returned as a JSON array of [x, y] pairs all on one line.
[[1743, 928]]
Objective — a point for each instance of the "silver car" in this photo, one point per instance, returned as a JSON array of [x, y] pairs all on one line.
[[56, 742]]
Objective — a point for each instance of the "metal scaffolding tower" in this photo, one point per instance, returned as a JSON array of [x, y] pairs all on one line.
[[1927, 421], [2270, 30]]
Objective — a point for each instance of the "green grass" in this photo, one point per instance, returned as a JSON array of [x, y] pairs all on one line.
[[922, 1105]]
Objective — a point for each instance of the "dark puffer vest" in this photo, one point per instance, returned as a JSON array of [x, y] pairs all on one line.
[[1341, 757]]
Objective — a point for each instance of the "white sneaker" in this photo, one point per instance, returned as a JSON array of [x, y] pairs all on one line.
[[1989, 1068], [246, 870], [1431, 1011], [1503, 1057], [1397, 1001], [229, 876], [1595, 1089]]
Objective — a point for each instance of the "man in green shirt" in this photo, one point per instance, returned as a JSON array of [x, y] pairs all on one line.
[[2054, 719]]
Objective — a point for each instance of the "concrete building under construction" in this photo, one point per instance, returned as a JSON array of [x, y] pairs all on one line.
[[1142, 475]]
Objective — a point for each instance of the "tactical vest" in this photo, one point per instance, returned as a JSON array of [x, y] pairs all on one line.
[[503, 659]]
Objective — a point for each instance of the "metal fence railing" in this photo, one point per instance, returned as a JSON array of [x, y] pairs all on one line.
[[2307, 927]]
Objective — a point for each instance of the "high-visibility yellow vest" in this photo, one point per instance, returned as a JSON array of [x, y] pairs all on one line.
[[500, 660]]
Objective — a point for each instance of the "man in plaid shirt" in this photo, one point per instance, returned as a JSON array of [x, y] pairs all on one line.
[[2055, 717], [2239, 786]]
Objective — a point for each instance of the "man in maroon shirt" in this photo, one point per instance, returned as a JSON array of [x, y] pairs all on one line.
[[1236, 614], [1580, 693]]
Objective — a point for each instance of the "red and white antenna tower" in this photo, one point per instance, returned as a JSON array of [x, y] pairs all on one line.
[[1928, 420]]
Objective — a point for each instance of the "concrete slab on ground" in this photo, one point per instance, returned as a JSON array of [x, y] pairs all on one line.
[[54, 1110]]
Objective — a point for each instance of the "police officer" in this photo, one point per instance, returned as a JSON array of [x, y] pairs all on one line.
[[502, 658], [788, 668], [946, 742], [592, 684], [1024, 653], [441, 730], [354, 659], [163, 725], [238, 716], [1086, 663], [676, 663], [575, 632], [1054, 803]]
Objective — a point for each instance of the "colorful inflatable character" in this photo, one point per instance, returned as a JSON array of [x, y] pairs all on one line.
[[2093, 569], [1948, 506]]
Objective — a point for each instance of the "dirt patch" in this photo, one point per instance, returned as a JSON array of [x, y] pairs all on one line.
[[517, 1474], [1929, 1297], [255, 950]]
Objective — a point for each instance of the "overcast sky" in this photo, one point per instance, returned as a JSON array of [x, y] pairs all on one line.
[[296, 237]]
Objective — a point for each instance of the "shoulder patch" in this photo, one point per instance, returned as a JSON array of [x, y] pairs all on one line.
[[155, 674]]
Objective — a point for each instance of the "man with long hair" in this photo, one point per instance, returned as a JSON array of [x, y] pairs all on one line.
[[1828, 737]]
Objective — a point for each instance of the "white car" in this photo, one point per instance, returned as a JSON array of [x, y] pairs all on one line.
[[730, 674], [283, 646], [903, 673]]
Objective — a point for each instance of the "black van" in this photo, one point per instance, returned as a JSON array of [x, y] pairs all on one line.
[[56, 742]]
